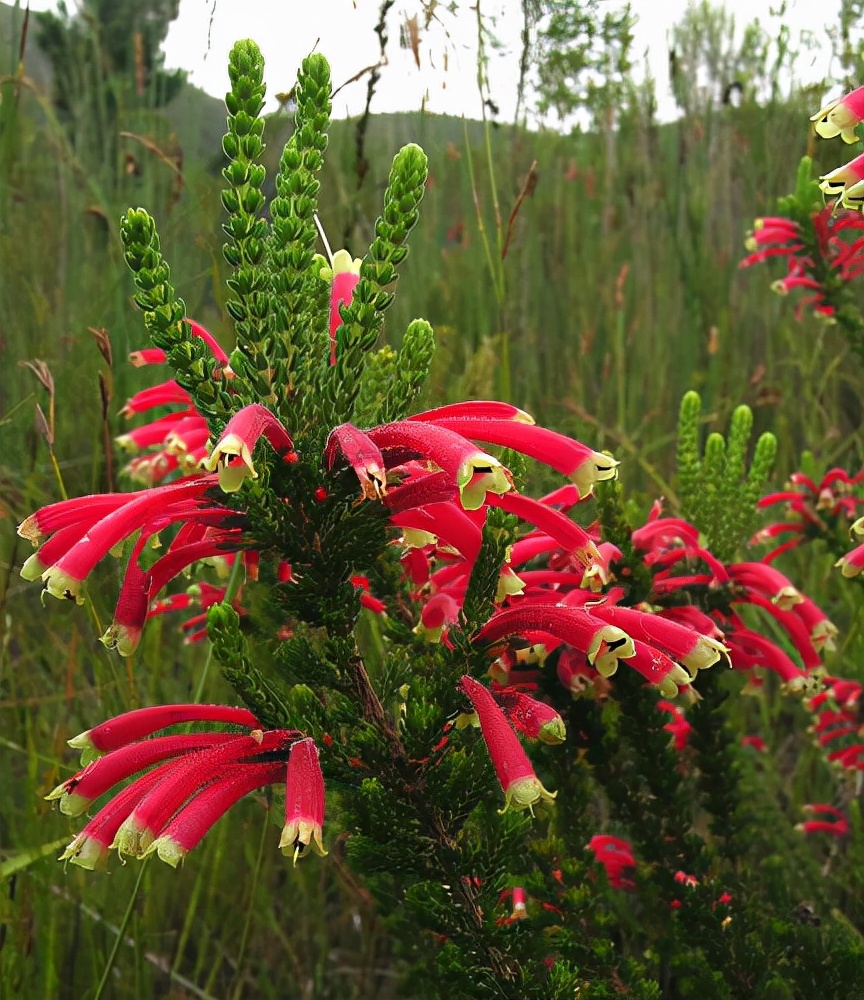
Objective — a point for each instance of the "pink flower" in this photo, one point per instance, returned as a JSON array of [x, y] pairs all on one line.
[[76, 794], [691, 648], [362, 454], [520, 784], [534, 719], [841, 117], [843, 180], [616, 856], [187, 827], [837, 826], [603, 644], [475, 409], [581, 464], [238, 440], [472, 471], [304, 802], [679, 727], [185, 777], [343, 273], [168, 809], [108, 524], [135, 725]]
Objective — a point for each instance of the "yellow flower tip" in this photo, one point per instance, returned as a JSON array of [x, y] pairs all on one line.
[[32, 568], [344, 263], [131, 839], [29, 529], [524, 793], [523, 417], [86, 853], [598, 467], [826, 111], [857, 527], [509, 585], [62, 586], [786, 598], [848, 570], [122, 638], [466, 719], [673, 681], [608, 646], [750, 245], [232, 477], [705, 654], [168, 850], [417, 538], [299, 837], [125, 442], [479, 475], [553, 732]]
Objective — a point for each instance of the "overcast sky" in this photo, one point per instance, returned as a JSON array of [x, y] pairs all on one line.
[[343, 30]]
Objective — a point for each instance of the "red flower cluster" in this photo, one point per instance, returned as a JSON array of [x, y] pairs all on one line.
[[838, 727], [196, 778], [813, 509], [837, 826], [776, 236]]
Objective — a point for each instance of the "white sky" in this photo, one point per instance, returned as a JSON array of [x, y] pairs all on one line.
[[343, 30]]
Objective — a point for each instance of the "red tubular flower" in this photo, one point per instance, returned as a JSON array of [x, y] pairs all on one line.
[[838, 826], [471, 470], [447, 522], [686, 645], [518, 781], [679, 727], [86, 510], [164, 394], [193, 772], [343, 273], [188, 827], [304, 802], [63, 579], [484, 409], [78, 792], [362, 454], [535, 719], [765, 580], [566, 533], [130, 613], [616, 856], [603, 644], [135, 725], [852, 564], [520, 904], [89, 848], [147, 356], [238, 440], [581, 464], [658, 669], [439, 612], [841, 117]]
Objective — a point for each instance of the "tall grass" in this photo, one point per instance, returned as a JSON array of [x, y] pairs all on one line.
[[622, 291]]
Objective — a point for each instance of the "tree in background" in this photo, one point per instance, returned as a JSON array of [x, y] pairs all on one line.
[[107, 60]]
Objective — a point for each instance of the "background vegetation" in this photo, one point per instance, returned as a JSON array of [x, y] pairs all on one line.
[[620, 290]]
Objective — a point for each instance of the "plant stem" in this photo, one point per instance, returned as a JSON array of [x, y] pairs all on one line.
[[121, 932]]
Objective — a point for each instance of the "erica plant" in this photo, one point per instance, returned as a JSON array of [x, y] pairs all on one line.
[[515, 708]]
